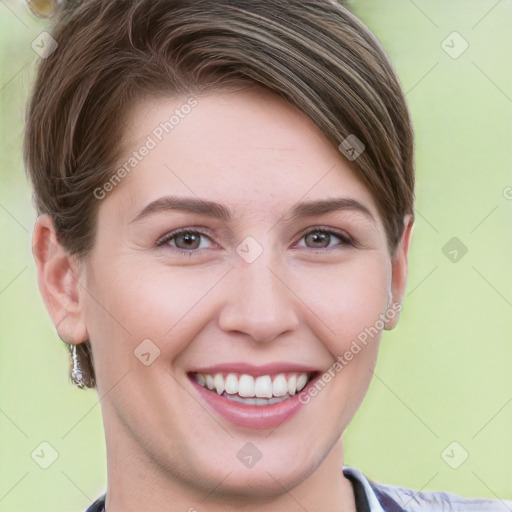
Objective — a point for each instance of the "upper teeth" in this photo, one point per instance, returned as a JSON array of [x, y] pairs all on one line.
[[246, 385]]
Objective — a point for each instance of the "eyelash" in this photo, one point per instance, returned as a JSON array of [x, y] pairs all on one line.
[[345, 239]]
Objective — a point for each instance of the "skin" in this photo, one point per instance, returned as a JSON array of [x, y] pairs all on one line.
[[300, 301]]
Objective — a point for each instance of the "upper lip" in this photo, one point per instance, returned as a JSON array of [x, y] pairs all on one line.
[[246, 368]]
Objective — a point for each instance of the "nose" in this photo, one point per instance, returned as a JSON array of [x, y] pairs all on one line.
[[260, 304]]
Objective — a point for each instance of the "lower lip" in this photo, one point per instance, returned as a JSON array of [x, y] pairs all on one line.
[[257, 417]]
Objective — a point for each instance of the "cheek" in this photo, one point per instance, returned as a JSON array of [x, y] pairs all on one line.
[[127, 307], [347, 300]]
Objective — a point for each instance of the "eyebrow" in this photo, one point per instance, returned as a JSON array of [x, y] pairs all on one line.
[[221, 212]]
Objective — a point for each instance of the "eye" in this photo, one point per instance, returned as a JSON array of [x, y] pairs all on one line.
[[186, 241], [321, 238]]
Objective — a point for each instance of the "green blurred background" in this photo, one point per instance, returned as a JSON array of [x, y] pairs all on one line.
[[443, 385]]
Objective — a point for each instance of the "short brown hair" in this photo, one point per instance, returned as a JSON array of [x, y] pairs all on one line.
[[110, 54]]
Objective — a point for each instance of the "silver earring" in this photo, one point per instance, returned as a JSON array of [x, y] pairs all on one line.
[[77, 375]]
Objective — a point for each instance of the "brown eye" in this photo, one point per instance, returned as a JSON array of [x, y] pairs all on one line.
[[321, 238], [186, 241]]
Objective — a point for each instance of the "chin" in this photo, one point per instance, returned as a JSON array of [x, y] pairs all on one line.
[[267, 482]]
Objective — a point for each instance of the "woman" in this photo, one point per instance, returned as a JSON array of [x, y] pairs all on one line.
[[225, 193]]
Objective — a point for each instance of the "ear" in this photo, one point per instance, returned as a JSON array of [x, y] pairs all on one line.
[[399, 270], [58, 276]]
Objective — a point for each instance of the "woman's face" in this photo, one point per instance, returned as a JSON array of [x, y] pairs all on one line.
[[208, 262]]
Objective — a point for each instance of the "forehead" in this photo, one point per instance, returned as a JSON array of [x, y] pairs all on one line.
[[249, 149]]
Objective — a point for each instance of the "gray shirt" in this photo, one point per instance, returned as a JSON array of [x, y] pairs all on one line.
[[392, 498]]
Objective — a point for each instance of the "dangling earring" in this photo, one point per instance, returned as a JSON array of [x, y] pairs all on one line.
[[77, 375]]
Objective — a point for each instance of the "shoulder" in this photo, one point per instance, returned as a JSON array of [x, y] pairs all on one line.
[[435, 501], [393, 498]]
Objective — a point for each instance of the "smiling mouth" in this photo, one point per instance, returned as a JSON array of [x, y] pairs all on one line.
[[254, 390]]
